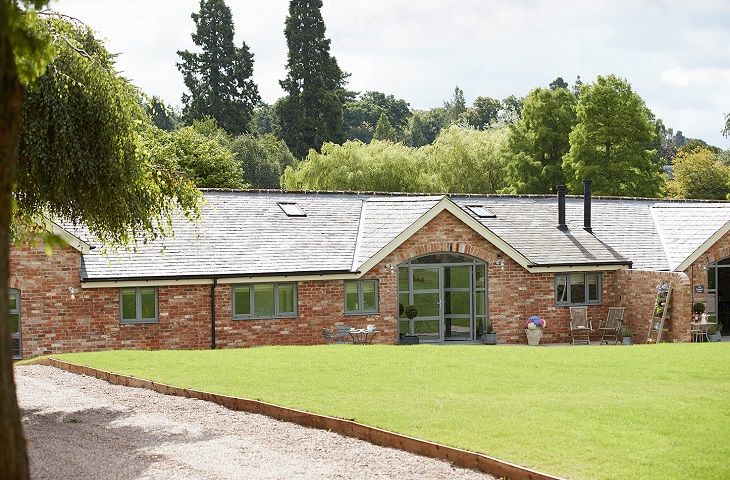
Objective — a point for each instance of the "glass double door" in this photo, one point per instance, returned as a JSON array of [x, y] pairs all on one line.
[[443, 296]]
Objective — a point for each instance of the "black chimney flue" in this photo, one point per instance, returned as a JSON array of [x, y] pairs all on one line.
[[587, 205], [561, 207]]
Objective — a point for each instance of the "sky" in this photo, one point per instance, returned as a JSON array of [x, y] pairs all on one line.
[[674, 52]]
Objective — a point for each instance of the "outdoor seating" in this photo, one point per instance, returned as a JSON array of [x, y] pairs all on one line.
[[580, 326], [611, 327], [339, 335]]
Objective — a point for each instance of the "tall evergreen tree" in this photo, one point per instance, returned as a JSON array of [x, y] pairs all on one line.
[[311, 113], [455, 106], [609, 142], [218, 78], [538, 141], [383, 129]]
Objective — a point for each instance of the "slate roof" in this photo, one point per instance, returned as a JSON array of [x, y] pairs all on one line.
[[246, 233]]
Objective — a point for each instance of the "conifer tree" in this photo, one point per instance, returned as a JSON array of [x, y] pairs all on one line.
[[219, 77], [383, 129], [311, 112]]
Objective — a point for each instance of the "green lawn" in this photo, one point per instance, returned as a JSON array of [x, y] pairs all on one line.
[[654, 411]]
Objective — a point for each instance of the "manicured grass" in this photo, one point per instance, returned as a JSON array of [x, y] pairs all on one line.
[[654, 411]]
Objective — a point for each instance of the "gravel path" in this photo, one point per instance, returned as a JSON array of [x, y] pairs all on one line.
[[83, 428]]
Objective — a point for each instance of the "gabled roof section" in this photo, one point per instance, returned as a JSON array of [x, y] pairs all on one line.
[[67, 236], [686, 231]]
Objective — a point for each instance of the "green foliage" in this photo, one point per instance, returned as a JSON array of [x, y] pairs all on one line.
[[81, 156], [218, 78], [200, 152], [410, 311], [425, 125], [538, 141], [626, 332], [699, 173], [558, 83], [311, 113], [511, 109], [726, 128], [609, 142], [264, 119], [483, 113], [456, 106], [262, 158], [360, 116], [31, 38], [460, 160], [163, 116], [698, 307], [383, 129], [468, 161]]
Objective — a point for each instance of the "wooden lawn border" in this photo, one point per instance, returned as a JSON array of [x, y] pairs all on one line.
[[462, 458]]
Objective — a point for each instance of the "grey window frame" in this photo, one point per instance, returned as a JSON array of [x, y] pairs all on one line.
[[138, 306], [16, 310], [251, 316], [292, 209], [361, 297], [568, 302]]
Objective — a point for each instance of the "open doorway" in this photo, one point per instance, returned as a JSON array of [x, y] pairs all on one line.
[[718, 293]]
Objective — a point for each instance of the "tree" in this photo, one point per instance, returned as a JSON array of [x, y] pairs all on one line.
[[558, 83], [218, 78], [726, 129], [200, 152], [264, 119], [511, 109], [577, 86], [162, 115], [699, 173], [311, 113], [425, 125], [383, 129], [456, 106], [397, 110], [483, 113], [262, 159], [362, 114], [75, 139], [539, 139], [609, 142]]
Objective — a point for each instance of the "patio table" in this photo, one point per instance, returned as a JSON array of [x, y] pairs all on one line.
[[701, 328], [362, 336]]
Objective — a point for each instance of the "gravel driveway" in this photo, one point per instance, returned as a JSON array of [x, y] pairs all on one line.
[[83, 428]]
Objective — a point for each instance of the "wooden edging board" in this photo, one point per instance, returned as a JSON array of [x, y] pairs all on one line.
[[463, 458]]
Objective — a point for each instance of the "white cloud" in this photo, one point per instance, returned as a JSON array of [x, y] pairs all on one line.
[[696, 77]]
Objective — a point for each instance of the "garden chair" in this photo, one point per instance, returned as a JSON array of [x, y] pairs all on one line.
[[611, 327], [580, 326]]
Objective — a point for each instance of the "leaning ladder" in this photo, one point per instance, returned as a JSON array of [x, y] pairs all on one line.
[[659, 315]]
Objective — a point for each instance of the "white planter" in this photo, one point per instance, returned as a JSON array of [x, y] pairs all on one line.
[[533, 336]]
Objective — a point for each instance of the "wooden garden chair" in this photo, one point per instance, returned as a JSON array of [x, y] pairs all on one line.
[[580, 326], [611, 327]]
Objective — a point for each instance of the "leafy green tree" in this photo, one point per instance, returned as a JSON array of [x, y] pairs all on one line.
[[200, 152], [362, 114], [558, 83], [425, 125], [539, 139], [577, 86], [699, 173], [468, 160], [726, 129], [311, 113], [397, 110], [456, 106], [609, 142], [691, 144], [76, 142], [163, 116], [511, 109], [264, 119], [483, 113], [663, 142], [262, 158], [218, 78], [383, 129]]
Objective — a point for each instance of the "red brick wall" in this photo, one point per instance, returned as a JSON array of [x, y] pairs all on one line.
[[636, 290]]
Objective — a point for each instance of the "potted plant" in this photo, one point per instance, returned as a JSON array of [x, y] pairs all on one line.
[[698, 309], [490, 336], [714, 333], [411, 311], [627, 335], [533, 329]]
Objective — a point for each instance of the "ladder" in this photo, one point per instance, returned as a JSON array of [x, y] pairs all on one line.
[[660, 314]]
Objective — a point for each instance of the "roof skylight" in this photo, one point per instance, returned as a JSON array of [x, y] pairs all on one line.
[[481, 211], [292, 209]]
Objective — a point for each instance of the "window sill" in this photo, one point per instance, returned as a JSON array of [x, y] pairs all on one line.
[[285, 317], [579, 304], [362, 314], [141, 322]]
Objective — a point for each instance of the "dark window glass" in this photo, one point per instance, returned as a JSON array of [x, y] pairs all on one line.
[[577, 288]]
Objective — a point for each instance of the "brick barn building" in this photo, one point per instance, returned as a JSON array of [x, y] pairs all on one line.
[[270, 267]]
